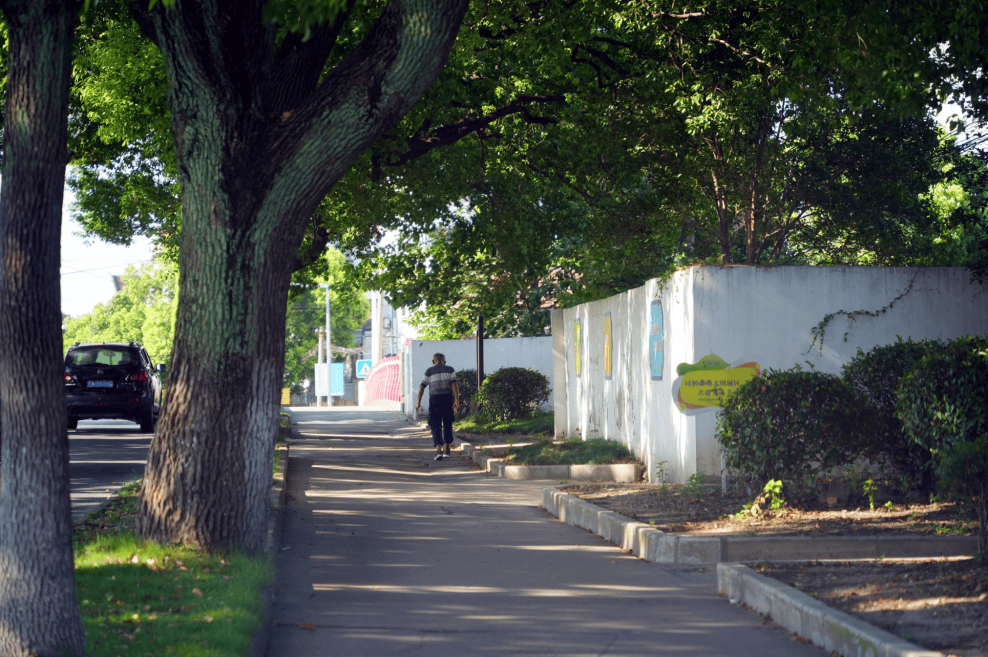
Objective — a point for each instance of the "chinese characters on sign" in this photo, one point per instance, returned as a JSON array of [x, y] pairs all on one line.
[[705, 386], [337, 385]]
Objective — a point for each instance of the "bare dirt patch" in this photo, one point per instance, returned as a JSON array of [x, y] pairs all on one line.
[[938, 604], [704, 510]]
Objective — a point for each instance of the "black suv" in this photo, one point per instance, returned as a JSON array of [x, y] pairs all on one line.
[[112, 380]]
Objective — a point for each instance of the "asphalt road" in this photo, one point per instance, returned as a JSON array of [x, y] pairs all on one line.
[[103, 456]]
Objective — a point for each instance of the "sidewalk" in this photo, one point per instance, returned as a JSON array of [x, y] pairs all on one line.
[[387, 552]]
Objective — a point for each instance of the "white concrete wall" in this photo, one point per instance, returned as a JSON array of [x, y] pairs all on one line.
[[533, 353], [765, 313]]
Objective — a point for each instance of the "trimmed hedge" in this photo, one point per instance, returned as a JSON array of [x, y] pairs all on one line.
[[793, 426], [943, 408], [512, 392], [877, 375], [466, 381]]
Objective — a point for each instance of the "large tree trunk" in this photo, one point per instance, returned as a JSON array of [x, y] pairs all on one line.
[[39, 613], [261, 137]]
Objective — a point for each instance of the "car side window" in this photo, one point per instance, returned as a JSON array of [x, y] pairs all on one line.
[[147, 359]]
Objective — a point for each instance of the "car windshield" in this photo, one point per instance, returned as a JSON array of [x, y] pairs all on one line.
[[98, 356]]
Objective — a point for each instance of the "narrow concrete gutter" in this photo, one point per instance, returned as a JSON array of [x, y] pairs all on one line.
[[259, 642], [277, 494], [826, 627], [619, 473]]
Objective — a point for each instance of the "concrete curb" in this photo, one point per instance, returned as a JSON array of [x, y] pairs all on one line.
[[262, 636], [794, 610], [626, 473], [278, 489], [653, 545]]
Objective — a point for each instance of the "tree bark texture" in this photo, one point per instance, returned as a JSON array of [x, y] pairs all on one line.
[[39, 613], [262, 133]]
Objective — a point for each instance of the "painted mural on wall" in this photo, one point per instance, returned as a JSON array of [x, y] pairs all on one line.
[[577, 361], [704, 385], [655, 354], [608, 346]]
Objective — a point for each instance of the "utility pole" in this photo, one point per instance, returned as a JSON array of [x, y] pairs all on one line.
[[319, 361], [377, 325], [329, 344]]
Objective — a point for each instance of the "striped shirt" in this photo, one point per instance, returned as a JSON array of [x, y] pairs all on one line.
[[440, 379]]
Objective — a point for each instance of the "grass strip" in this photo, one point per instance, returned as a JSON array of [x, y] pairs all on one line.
[[139, 598], [571, 452], [538, 424]]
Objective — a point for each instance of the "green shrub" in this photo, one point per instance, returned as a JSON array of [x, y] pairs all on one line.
[[466, 381], [793, 425], [942, 406], [512, 392], [877, 374]]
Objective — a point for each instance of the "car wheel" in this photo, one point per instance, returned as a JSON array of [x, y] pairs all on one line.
[[73, 422], [147, 423]]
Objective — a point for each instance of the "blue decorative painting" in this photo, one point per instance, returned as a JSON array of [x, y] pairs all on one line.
[[655, 340]]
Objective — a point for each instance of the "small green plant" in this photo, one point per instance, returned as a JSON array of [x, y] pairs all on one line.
[[660, 472], [741, 515], [694, 486], [869, 490], [890, 506], [773, 494]]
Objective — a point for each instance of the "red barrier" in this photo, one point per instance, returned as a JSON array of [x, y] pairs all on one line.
[[383, 382]]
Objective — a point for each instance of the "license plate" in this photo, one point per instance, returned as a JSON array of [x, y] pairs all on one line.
[[100, 384]]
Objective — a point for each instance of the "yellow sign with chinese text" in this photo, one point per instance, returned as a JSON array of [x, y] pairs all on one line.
[[577, 338], [706, 385]]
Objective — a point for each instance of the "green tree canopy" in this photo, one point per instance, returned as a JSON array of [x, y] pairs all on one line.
[[143, 310], [730, 133], [307, 311]]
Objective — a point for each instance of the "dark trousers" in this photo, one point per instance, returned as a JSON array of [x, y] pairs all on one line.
[[441, 419]]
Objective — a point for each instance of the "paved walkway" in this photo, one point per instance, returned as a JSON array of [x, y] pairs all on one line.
[[387, 552]]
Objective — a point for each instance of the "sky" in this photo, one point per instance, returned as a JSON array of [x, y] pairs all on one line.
[[89, 264]]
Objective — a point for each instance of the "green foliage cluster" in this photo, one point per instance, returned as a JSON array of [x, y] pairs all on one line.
[[718, 134], [512, 392], [941, 404], [466, 381], [596, 451], [877, 374], [307, 312], [793, 426], [143, 310]]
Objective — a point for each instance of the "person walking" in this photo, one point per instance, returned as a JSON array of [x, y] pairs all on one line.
[[444, 399]]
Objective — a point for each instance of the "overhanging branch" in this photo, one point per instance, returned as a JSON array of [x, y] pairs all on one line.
[[445, 135]]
